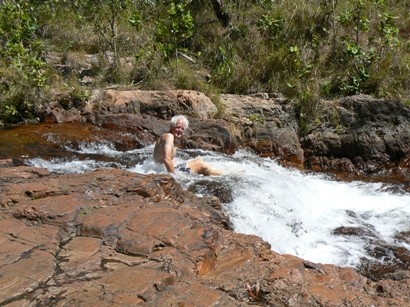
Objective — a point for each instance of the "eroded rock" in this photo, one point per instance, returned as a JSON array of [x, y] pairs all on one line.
[[161, 104], [356, 136], [370, 133], [119, 238], [267, 125]]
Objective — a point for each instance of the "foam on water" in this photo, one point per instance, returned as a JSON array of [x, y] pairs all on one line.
[[96, 148], [298, 213], [295, 212], [62, 166]]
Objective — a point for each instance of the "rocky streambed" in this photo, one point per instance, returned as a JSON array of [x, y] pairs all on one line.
[[111, 237], [117, 238]]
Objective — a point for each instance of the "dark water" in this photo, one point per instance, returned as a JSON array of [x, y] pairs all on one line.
[[60, 141]]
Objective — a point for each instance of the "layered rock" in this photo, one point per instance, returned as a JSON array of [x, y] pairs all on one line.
[[365, 134], [266, 125], [161, 104], [355, 135], [111, 237]]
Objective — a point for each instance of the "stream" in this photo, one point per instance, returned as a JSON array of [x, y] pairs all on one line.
[[358, 224]]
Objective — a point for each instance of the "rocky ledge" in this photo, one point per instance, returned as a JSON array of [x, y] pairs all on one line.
[[116, 238], [355, 137]]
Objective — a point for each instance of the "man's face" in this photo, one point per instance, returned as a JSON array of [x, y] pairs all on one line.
[[179, 129]]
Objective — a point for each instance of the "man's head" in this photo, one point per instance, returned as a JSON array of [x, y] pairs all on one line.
[[179, 124]]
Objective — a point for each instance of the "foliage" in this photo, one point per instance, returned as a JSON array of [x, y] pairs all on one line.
[[369, 37], [175, 29], [305, 50], [106, 17], [255, 117], [23, 71]]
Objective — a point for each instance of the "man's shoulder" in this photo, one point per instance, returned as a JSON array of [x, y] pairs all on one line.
[[168, 136]]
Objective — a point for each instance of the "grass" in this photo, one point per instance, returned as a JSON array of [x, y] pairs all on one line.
[[305, 50]]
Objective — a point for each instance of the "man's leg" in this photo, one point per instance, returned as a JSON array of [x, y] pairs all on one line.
[[198, 166]]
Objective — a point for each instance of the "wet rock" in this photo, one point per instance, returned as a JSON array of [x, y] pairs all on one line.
[[386, 258], [403, 236], [391, 262], [119, 238], [353, 231], [147, 128], [357, 136], [216, 188], [212, 135]]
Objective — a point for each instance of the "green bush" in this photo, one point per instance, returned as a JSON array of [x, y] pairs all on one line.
[[303, 49], [23, 70]]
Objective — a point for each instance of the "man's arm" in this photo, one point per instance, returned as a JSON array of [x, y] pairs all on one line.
[[169, 153]]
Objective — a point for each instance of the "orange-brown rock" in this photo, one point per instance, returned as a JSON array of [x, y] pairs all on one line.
[[111, 237], [161, 104]]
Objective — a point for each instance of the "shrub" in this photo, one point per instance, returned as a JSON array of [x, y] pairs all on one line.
[[302, 49], [23, 70]]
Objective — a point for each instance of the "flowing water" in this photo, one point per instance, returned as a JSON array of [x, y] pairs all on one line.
[[308, 215]]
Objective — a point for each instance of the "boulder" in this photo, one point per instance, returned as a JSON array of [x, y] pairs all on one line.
[[266, 125], [371, 133], [161, 104]]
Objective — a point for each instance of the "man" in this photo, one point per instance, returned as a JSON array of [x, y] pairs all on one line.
[[165, 150]]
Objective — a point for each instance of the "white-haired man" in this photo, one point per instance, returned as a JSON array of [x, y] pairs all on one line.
[[165, 150]]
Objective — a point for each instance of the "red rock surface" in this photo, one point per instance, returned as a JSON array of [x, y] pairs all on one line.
[[116, 238], [161, 104]]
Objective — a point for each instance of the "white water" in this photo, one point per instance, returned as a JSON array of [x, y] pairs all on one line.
[[296, 213]]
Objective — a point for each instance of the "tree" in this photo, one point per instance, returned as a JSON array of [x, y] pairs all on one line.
[[106, 16], [220, 12], [22, 68], [175, 29]]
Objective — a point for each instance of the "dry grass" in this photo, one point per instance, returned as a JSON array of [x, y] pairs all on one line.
[[297, 48]]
